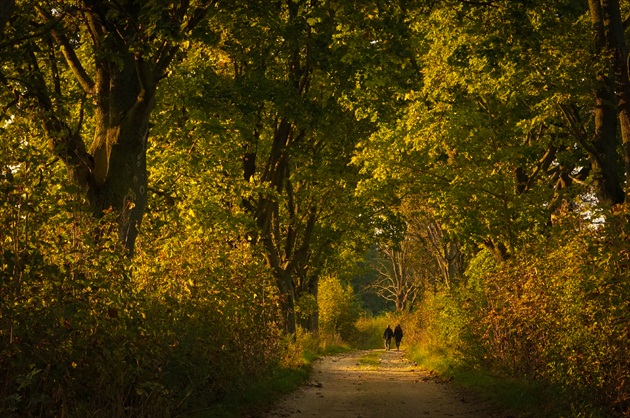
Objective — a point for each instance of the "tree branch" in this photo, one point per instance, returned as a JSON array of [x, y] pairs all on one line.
[[577, 129], [71, 57], [479, 3], [65, 144]]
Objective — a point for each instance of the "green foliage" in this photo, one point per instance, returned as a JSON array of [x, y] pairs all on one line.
[[260, 393], [558, 314], [446, 328], [370, 332], [288, 139], [485, 144], [85, 331], [562, 315], [69, 311], [339, 308], [84, 335], [258, 396]]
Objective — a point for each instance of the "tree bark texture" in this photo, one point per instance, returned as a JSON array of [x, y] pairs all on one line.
[[617, 44], [286, 241], [610, 102]]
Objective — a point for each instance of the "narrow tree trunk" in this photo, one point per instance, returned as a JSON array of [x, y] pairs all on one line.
[[287, 300], [312, 322], [498, 250]]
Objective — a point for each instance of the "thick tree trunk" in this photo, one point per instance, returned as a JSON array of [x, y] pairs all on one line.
[[118, 61], [604, 161], [120, 145], [617, 44], [122, 84], [124, 188]]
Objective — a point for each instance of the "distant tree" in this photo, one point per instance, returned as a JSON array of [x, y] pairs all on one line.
[[441, 251], [401, 274]]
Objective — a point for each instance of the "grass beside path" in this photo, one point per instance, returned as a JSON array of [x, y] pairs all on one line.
[[522, 398], [258, 396], [261, 394]]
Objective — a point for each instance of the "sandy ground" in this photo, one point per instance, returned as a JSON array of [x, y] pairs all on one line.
[[341, 387]]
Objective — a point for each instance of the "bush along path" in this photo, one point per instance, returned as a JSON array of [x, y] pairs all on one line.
[[377, 383]]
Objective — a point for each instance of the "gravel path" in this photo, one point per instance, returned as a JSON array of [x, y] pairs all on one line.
[[341, 387]]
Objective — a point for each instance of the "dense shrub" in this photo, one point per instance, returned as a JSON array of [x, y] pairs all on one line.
[[556, 312], [561, 311], [84, 331]]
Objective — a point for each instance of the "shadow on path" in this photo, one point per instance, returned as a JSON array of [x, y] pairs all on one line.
[[341, 387]]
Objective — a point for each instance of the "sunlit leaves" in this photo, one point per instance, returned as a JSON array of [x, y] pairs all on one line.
[[339, 307]]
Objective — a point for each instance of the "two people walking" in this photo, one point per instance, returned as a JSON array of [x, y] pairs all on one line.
[[396, 334]]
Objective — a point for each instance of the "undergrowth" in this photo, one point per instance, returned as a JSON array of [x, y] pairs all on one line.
[[286, 376], [522, 397]]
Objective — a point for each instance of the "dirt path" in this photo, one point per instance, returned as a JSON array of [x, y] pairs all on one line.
[[341, 387]]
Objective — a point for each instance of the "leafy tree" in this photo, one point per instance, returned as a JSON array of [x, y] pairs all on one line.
[[282, 119], [339, 307], [498, 132], [515, 127], [114, 56]]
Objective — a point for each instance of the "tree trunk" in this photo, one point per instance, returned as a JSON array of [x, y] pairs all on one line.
[[120, 76], [604, 161], [617, 44], [119, 148], [118, 69], [124, 188], [286, 241], [311, 321]]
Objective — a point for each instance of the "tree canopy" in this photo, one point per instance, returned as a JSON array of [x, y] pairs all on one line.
[[173, 170]]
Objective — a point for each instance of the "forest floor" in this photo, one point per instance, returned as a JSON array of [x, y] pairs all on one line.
[[348, 386]]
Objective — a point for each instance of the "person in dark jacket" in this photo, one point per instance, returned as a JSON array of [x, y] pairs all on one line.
[[398, 334], [387, 336]]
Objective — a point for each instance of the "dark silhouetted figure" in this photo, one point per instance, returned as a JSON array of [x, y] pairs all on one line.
[[387, 336], [398, 334]]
